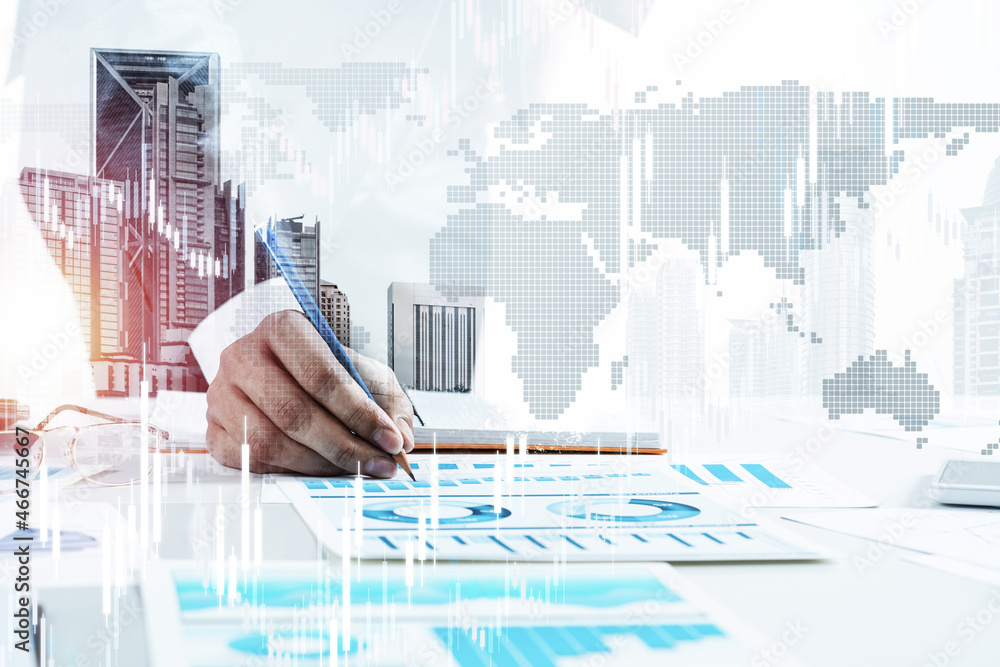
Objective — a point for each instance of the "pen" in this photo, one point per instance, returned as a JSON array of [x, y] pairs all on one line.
[[291, 276]]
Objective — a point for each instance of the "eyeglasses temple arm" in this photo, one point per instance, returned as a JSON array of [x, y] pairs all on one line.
[[93, 413]]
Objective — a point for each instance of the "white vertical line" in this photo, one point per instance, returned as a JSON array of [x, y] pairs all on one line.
[[157, 497], [636, 222], [144, 464], [724, 216], [813, 134], [245, 496], [334, 656], [220, 548], [422, 534], [623, 216], [454, 52], [358, 513], [345, 566], [106, 568], [787, 212], [800, 181]]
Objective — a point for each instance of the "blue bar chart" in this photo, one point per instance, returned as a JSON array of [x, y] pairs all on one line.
[[540, 511], [771, 483]]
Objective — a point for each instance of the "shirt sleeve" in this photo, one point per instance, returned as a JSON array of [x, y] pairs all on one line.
[[235, 319]]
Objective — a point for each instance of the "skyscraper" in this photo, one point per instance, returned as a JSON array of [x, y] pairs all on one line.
[[765, 356], [155, 130], [435, 340], [977, 297], [838, 296], [301, 244], [666, 345], [79, 218], [337, 311], [681, 335]]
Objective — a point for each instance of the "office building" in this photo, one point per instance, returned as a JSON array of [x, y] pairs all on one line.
[[300, 243], [79, 219], [435, 340], [155, 131], [681, 334], [337, 311], [838, 295], [666, 345], [765, 356], [977, 297]]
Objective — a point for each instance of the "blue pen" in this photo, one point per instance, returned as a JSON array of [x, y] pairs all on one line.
[[308, 304]]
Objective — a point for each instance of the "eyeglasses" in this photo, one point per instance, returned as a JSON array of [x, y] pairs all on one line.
[[108, 453]]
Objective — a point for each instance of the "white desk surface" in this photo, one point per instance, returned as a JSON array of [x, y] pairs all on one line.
[[895, 613]]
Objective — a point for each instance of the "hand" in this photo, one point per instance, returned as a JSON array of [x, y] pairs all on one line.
[[299, 408]]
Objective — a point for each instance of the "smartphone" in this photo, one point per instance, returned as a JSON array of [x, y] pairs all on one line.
[[962, 482]]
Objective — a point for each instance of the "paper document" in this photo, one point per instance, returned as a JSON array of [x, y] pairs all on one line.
[[468, 616], [971, 535], [534, 508], [774, 483]]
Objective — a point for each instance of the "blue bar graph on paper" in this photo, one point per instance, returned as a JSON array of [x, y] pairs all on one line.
[[722, 473], [373, 487], [524, 643], [395, 486], [542, 645], [315, 484], [557, 641], [765, 476], [690, 474]]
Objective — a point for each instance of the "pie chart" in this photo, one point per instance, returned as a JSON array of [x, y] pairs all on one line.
[[636, 510], [452, 512]]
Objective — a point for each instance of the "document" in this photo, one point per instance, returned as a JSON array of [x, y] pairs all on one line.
[[971, 535], [547, 508], [468, 615], [774, 483]]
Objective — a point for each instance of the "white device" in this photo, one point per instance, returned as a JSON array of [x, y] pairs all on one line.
[[967, 483]]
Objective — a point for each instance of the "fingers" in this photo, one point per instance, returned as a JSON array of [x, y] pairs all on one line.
[[388, 394], [297, 345], [296, 414], [272, 450]]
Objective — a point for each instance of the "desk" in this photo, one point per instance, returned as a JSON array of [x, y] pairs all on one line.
[[894, 613]]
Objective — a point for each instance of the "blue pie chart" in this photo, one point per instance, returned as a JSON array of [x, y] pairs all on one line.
[[667, 511], [477, 513]]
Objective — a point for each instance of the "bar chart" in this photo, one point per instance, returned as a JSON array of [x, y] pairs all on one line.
[[579, 513], [772, 483]]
